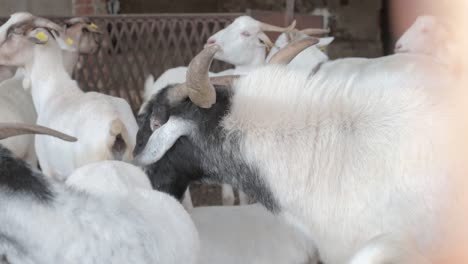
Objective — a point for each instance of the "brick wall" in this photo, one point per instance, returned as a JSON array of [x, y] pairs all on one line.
[[88, 7]]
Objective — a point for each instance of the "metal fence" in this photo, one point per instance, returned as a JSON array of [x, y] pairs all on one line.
[[133, 46]]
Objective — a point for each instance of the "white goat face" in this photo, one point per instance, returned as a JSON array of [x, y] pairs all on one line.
[[15, 49], [239, 41], [22, 33]]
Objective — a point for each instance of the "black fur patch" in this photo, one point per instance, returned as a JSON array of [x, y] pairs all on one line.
[[206, 155], [17, 176]]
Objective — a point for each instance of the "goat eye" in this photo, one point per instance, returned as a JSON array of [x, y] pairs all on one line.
[[245, 34]]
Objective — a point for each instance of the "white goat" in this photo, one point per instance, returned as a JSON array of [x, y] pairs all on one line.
[[17, 105], [243, 43], [89, 226], [361, 150], [105, 124]]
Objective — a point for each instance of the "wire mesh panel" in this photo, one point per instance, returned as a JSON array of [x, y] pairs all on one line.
[[133, 46]]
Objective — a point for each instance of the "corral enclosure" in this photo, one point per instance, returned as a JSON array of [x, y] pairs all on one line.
[[135, 45]]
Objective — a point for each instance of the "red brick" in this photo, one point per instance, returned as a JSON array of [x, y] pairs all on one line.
[[83, 10]]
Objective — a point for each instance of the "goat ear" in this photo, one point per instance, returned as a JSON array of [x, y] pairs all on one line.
[[163, 139], [65, 42], [38, 36]]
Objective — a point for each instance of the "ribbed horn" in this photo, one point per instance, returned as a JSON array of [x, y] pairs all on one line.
[[199, 88]]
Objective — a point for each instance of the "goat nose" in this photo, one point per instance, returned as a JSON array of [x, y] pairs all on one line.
[[209, 42]]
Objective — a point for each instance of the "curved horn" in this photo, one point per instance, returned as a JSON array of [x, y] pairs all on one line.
[[269, 27], [287, 54], [315, 31], [180, 91], [15, 129], [199, 88]]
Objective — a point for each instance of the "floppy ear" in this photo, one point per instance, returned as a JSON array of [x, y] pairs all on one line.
[[163, 139], [39, 36]]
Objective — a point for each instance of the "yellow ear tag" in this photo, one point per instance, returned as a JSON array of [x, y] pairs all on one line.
[[92, 25], [322, 48], [69, 41], [41, 36]]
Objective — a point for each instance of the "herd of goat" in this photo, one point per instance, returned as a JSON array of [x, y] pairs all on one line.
[[350, 160]]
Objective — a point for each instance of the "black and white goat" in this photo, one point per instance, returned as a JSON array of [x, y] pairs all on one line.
[[357, 156]]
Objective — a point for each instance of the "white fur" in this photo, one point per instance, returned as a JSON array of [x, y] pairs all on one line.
[[144, 226], [363, 148], [16, 106], [109, 176], [248, 234]]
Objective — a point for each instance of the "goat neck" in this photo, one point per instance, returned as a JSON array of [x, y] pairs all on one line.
[[48, 75], [70, 58]]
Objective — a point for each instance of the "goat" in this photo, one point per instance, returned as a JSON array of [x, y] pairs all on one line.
[[244, 44], [17, 104], [364, 148], [105, 124], [88, 226]]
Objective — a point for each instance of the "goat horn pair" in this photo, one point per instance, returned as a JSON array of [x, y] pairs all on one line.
[[15, 129], [199, 86]]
